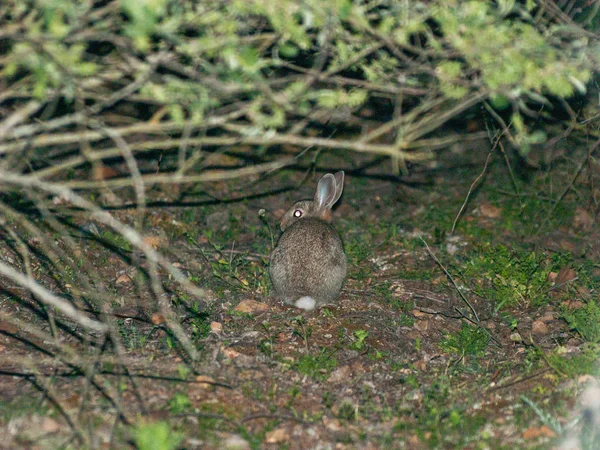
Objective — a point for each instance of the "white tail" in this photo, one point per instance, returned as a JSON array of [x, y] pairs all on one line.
[[306, 302]]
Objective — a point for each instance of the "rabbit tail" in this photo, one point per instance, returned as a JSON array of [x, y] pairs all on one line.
[[307, 303]]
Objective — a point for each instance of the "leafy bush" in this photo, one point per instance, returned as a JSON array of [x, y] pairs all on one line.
[[269, 72]]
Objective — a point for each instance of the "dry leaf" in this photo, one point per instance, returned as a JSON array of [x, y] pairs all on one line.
[[567, 245], [73, 401], [231, 353], [216, 327], [565, 275], [251, 306], [204, 381], [421, 325], [537, 432], [124, 279], [583, 219], [102, 172], [584, 292], [572, 304], [421, 365], [152, 241], [277, 436], [8, 327], [158, 319], [490, 211]]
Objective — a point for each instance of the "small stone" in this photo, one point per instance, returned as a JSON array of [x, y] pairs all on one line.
[[585, 379], [49, 425], [421, 325], [547, 317], [235, 442], [340, 374], [332, 424], [516, 337], [539, 328], [452, 249]]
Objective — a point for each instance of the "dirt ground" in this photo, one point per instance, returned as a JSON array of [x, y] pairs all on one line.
[[481, 338]]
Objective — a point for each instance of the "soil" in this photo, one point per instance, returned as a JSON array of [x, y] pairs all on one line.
[[417, 353]]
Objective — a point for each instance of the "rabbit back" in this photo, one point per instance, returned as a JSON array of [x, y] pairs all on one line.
[[308, 266]]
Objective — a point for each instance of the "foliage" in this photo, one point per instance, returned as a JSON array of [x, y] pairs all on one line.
[[283, 62], [584, 363], [469, 340], [156, 436], [318, 365], [510, 277], [585, 321]]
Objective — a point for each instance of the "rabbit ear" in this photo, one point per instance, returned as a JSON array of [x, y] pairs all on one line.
[[339, 185], [329, 190]]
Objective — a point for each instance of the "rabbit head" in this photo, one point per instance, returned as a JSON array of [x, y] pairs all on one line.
[[329, 190]]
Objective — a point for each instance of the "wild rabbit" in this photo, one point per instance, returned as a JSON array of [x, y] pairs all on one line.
[[308, 266]]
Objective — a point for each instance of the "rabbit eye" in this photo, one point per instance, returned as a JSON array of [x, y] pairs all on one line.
[[298, 213]]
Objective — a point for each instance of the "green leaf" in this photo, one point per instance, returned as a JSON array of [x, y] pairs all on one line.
[[288, 50], [500, 101], [156, 436]]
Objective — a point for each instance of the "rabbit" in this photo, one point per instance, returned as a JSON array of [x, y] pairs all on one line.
[[308, 265]]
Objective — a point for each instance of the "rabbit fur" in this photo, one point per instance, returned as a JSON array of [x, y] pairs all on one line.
[[308, 265]]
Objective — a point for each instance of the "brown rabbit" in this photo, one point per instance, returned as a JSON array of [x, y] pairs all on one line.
[[308, 266]]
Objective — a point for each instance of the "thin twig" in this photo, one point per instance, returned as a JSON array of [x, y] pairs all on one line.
[[50, 299], [438, 262], [473, 184], [571, 182]]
